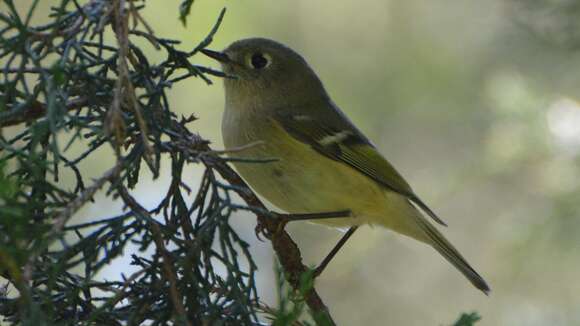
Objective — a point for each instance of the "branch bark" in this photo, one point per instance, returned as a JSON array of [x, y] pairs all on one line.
[[35, 110]]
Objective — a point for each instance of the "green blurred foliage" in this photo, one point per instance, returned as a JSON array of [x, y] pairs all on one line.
[[467, 319]]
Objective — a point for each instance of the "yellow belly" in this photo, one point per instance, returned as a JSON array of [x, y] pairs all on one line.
[[304, 181], [298, 184]]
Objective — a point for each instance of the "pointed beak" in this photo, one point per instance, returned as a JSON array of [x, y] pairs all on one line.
[[218, 56]]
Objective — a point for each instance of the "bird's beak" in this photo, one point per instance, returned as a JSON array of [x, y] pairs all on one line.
[[219, 56]]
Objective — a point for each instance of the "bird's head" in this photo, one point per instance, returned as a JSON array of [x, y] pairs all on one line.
[[265, 70]]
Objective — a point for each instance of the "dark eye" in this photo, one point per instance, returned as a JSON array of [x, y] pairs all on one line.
[[259, 61]]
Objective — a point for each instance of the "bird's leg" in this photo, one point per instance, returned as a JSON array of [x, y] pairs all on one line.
[[285, 218], [312, 216], [334, 251]]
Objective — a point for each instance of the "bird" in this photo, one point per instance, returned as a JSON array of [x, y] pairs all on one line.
[[323, 162]]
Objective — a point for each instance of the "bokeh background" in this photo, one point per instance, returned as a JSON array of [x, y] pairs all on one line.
[[475, 103]]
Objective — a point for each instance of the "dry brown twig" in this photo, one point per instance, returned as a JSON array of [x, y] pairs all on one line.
[[124, 85]]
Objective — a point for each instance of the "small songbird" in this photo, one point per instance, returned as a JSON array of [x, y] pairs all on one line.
[[324, 163]]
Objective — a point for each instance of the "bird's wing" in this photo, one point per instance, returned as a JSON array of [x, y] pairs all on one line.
[[342, 142]]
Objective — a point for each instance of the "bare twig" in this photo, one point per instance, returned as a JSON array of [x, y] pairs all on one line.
[[124, 84], [237, 149]]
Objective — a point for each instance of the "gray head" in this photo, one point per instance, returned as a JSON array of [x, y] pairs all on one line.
[[267, 71]]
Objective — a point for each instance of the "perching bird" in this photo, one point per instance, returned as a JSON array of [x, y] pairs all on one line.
[[325, 164]]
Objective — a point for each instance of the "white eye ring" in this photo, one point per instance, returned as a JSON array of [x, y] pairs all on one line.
[[259, 60]]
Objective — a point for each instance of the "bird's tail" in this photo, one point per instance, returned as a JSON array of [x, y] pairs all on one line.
[[446, 249]]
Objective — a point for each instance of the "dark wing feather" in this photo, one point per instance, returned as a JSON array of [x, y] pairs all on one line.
[[344, 143]]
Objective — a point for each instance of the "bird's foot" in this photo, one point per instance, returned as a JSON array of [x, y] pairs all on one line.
[[262, 229]]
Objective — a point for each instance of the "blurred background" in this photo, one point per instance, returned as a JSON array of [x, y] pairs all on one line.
[[475, 103]]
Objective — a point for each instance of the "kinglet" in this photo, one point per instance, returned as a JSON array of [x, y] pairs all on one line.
[[325, 163]]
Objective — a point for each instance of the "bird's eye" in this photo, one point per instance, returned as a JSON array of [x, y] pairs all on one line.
[[259, 61]]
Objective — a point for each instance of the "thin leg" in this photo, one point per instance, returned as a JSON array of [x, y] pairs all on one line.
[[334, 250], [285, 218], [313, 216]]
